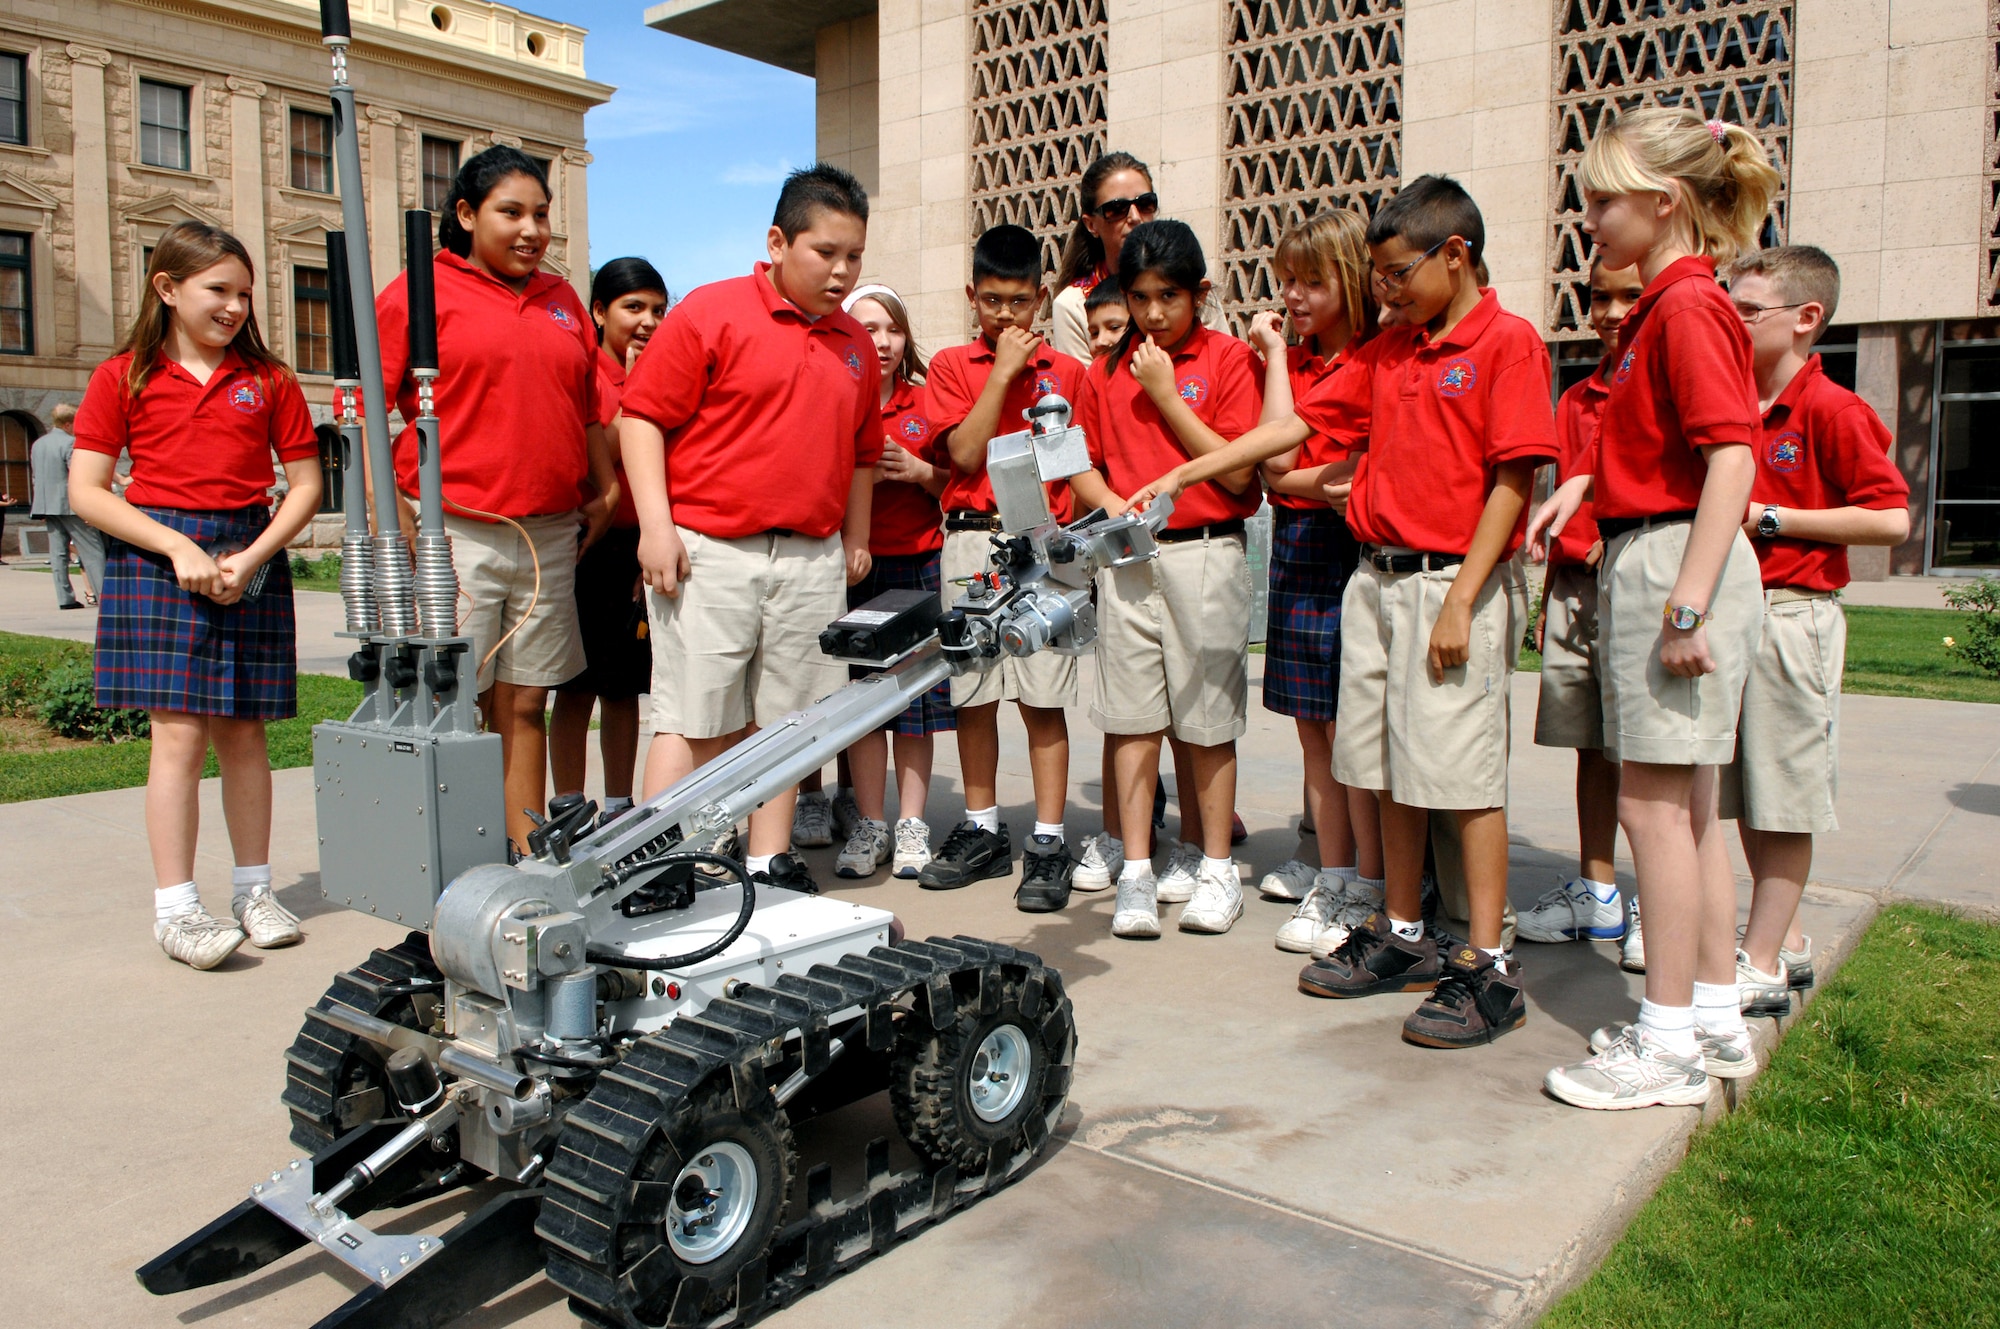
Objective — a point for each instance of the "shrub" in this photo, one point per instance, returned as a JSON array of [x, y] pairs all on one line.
[[1980, 602], [324, 568], [66, 702]]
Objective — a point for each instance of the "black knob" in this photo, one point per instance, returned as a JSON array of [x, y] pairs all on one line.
[[363, 667], [400, 669], [441, 673], [832, 641], [412, 1079], [953, 629]]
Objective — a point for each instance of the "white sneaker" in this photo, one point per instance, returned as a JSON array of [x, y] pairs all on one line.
[[1290, 880], [846, 813], [1138, 911], [1759, 993], [1728, 1056], [867, 849], [1217, 902], [1176, 884], [913, 848], [1357, 901], [268, 923], [1632, 951], [1634, 1071], [1312, 917], [812, 822], [1100, 864], [197, 938], [1573, 912], [727, 845]]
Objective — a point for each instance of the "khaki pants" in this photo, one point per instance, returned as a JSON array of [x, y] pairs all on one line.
[[1173, 636], [1044, 679], [498, 577], [1570, 710], [1787, 769]]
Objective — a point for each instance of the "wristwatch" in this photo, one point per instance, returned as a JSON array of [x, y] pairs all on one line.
[[1684, 618], [1767, 525]]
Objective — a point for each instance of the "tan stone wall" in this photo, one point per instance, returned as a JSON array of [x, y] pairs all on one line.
[[1888, 143], [916, 232], [1165, 106], [846, 120]]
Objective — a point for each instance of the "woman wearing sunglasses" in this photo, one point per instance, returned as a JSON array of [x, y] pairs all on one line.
[[1117, 195]]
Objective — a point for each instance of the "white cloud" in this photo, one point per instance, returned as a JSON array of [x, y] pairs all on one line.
[[757, 173]]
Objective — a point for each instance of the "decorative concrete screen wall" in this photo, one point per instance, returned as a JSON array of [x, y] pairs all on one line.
[[1733, 56], [1313, 119], [1037, 113], [1990, 295]]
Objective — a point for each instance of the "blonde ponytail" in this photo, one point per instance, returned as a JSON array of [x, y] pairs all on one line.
[[1718, 173]]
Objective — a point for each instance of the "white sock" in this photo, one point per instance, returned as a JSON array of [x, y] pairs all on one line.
[[173, 900], [1219, 867], [1049, 828], [1671, 1026], [1136, 869], [758, 863], [986, 819], [1605, 891], [1407, 931], [1501, 961], [1373, 885], [616, 805], [245, 881], [1345, 874], [1717, 1007]]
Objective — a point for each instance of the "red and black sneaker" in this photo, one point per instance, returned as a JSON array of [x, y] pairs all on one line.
[[1372, 960], [1472, 1003]]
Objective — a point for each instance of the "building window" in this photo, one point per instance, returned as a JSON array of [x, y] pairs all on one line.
[[312, 312], [1039, 80], [1313, 120], [1731, 61], [312, 151], [163, 125], [13, 98], [440, 169], [1965, 465], [1991, 295], [17, 296]]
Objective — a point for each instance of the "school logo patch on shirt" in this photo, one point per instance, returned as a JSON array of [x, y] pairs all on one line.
[[1458, 377], [914, 428], [563, 317], [854, 364], [1046, 385], [245, 398], [1624, 370], [1194, 390], [1786, 453]]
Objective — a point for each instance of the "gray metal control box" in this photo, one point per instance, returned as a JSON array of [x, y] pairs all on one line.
[[401, 813]]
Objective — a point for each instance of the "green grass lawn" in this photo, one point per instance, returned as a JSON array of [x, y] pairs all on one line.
[[1860, 1183]]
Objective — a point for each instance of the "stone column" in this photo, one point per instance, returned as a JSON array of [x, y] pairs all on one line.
[[385, 207], [95, 331], [1163, 103], [576, 211], [246, 187]]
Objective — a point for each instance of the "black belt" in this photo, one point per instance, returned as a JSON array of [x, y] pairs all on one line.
[[1234, 526], [1414, 561], [1610, 528], [782, 532], [970, 519]]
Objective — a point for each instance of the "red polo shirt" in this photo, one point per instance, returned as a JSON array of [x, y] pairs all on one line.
[[1132, 444], [517, 385], [610, 397], [957, 376], [1820, 447], [203, 447], [1683, 382], [906, 519], [1577, 417], [768, 412], [1438, 418], [1306, 368]]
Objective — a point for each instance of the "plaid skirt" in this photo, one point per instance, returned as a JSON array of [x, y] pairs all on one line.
[[1312, 555], [160, 648], [930, 713]]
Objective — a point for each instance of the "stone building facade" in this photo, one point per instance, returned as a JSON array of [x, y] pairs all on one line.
[[119, 118], [1884, 120]]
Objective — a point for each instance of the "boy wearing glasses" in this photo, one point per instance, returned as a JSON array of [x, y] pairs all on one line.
[[1824, 481], [979, 390], [1448, 407]]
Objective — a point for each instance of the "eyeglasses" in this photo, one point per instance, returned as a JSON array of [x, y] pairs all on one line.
[[1750, 313], [1019, 304], [1115, 209], [1393, 281]]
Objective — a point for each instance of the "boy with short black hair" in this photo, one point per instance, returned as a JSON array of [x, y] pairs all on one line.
[[979, 390], [1824, 481], [1105, 313], [758, 395]]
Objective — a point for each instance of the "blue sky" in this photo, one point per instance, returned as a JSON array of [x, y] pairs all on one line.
[[690, 152]]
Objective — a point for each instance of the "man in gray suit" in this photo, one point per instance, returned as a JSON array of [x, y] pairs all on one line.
[[50, 465]]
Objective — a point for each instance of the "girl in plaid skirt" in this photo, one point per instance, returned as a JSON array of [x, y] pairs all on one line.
[[196, 622]]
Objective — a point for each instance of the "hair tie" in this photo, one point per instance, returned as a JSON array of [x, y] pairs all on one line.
[[1717, 129]]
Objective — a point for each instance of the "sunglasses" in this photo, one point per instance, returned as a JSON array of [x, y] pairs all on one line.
[[1115, 209]]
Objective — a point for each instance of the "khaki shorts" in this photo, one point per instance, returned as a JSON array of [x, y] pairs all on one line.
[[1430, 745], [1570, 712], [1787, 768], [1173, 637], [741, 640], [1044, 679], [1651, 715], [496, 579]]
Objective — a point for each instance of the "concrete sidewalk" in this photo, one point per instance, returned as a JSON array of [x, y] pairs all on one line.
[[1235, 1153]]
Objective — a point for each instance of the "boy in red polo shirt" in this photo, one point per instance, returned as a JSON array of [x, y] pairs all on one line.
[[1824, 481], [757, 396], [1452, 401], [979, 390]]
